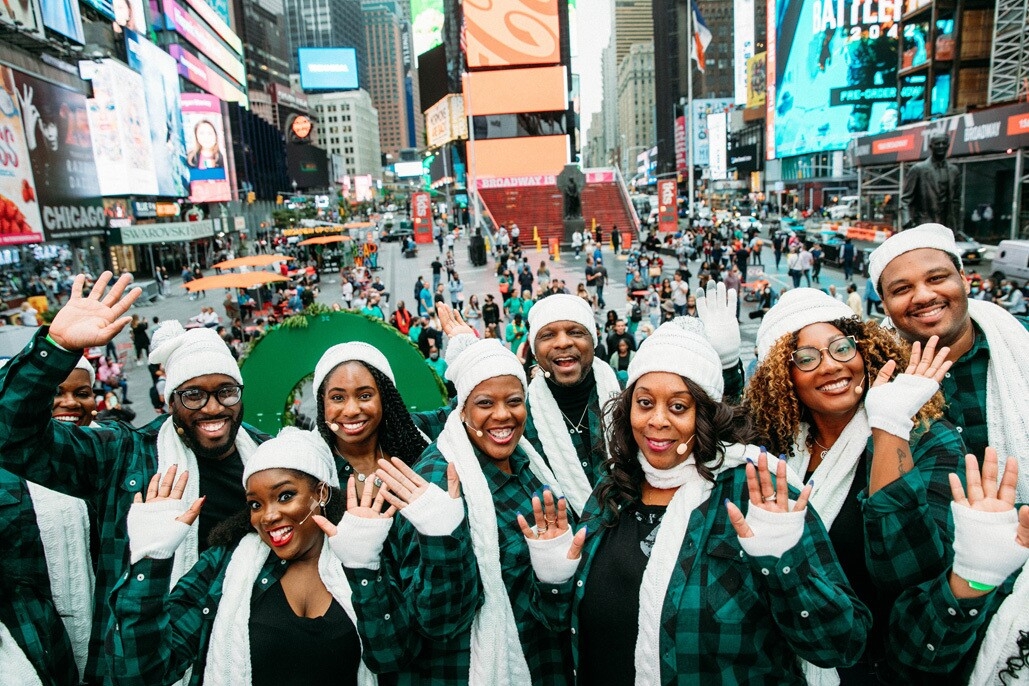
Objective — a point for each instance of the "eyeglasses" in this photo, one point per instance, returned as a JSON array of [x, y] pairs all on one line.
[[196, 398], [843, 349]]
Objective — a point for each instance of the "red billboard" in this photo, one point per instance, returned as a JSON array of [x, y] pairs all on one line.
[[667, 205], [421, 216]]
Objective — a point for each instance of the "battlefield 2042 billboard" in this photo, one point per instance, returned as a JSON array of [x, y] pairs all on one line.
[[832, 72], [328, 69]]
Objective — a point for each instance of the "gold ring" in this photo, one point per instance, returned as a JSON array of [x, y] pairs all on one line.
[[549, 521]]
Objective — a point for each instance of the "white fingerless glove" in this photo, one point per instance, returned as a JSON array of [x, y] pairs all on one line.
[[985, 549], [435, 513], [774, 532], [717, 310], [550, 558], [358, 541], [891, 406], [153, 529]]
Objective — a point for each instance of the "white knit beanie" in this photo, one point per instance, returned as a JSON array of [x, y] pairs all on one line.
[[680, 347], [350, 352], [87, 367], [557, 308], [470, 361], [189, 354], [795, 310], [293, 448], [935, 236]]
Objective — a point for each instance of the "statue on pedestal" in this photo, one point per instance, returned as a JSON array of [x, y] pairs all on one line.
[[931, 191], [571, 182]]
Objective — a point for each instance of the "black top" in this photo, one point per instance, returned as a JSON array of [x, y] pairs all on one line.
[[610, 607], [289, 650], [572, 399], [491, 313], [222, 482]]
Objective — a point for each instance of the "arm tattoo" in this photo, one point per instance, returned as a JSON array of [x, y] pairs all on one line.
[[901, 462]]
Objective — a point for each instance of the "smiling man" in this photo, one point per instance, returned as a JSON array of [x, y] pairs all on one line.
[[108, 464], [918, 274]]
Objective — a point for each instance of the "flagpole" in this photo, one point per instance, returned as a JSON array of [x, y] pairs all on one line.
[[689, 106]]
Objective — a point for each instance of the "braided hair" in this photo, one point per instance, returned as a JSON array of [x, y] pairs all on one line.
[[397, 433]]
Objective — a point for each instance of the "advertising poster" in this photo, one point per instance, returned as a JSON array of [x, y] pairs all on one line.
[[834, 72], [333, 69], [205, 148], [19, 207], [680, 144], [717, 133], [756, 80], [128, 14], [24, 14], [427, 24], [63, 17], [702, 108], [667, 205], [61, 150], [161, 91], [120, 129], [421, 217], [743, 46]]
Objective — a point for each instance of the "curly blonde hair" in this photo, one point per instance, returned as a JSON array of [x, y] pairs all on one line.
[[771, 399]]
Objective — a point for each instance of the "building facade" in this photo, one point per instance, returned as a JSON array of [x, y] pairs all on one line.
[[349, 128], [635, 105], [392, 77]]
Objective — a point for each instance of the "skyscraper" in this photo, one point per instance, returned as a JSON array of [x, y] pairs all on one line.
[[326, 24], [392, 79]]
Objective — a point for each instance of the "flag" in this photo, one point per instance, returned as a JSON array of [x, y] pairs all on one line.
[[701, 37]]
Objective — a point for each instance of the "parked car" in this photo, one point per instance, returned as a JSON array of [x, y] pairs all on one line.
[[846, 208], [971, 251], [1011, 261]]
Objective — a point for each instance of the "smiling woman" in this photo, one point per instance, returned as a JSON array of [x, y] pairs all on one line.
[[875, 449], [272, 571]]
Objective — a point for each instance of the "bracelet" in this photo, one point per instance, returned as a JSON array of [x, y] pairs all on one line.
[[976, 586]]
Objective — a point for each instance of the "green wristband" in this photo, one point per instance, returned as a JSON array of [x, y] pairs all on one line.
[[976, 586]]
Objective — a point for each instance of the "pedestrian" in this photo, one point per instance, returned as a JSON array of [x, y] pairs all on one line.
[[755, 246], [847, 259], [437, 272], [822, 396], [777, 245], [577, 243], [140, 338], [472, 313], [616, 240], [425, 303], [516, 332], [109, 463], [401, 318], [807, 262], [600, 280], [690, 505], [793, 267], [854, 300], [872, 299], [490, 312], [456, 289], [816, 262]]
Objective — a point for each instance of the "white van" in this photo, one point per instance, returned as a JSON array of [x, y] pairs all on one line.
[[1012, 261], [846, 209]]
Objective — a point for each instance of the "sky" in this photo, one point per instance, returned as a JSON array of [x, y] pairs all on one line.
[[590, 35]]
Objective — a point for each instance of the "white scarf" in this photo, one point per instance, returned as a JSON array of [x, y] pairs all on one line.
[[228, 654], [496, 650], [14, 665], [1000, 641], [834, 476], [554, 436], [1007, 387], [665, 555], [63, 523], [172, 451]]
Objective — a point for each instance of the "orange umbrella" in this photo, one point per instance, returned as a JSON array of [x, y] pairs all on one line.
[[322, 240], [359, 225], [244, 280], [252, 261]]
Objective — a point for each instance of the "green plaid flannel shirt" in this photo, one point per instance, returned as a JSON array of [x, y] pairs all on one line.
[[158, 635], [964, 389], [445, 657], [909, 534], [106, 466], [26, 604], [732, 619], [934, 632]]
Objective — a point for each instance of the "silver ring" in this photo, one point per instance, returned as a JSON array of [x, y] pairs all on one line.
[[770, 498]]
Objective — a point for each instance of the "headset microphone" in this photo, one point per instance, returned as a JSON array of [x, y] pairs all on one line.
[[314, 506], [478, 432], [683, 447]]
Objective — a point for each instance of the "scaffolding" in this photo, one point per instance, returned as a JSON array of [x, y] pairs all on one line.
[[1009, 62]]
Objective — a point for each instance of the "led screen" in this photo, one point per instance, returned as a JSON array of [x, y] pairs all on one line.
[[833, 72], [511, 32], [508, 91], [328, 69]]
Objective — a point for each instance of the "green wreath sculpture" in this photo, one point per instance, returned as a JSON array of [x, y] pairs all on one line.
[[286, 355]]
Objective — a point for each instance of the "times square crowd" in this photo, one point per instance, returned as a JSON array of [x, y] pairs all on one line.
[[606, 498]]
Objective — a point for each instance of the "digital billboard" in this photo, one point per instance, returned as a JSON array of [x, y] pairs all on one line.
[[328, 69], [743, 46], [19, 206], [426, 24], [511, 33], [832, 72], [128, 14], [120, 129], [508, 91], [407, 169], [204, 40], [204, 133], [716, 130], [161, 92], [61, 151], [195, 71], [756, 80], [63, 17], [701, 108]]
